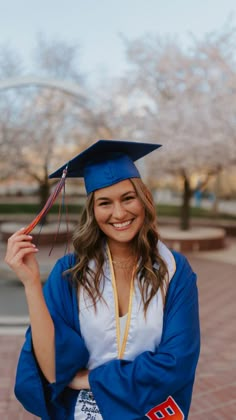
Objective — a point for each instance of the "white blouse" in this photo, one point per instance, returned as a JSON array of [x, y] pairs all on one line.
[[122, 321]]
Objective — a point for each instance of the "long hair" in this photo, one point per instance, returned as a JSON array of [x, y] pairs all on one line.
[[88, 241]]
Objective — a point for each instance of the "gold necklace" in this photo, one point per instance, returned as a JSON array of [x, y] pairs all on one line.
[[124, 263], [119, 264]]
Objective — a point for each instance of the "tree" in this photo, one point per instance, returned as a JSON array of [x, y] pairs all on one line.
[[183, 94], [10, 65], [38, 124]]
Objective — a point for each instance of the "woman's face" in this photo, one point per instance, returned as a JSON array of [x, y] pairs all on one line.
[[119, 212]]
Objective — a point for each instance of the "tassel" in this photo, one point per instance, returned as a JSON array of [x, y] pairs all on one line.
[[58, 221], [48, 204]]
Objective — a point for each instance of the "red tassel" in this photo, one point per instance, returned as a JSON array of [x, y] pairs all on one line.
[[48, 204]]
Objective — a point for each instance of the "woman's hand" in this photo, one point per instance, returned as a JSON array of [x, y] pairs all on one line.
[[80, 381], [20, 257]]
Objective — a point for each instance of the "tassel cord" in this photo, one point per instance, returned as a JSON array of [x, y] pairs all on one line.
[[48, 204]]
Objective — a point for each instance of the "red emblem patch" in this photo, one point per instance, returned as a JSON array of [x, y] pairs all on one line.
[[166, 410]]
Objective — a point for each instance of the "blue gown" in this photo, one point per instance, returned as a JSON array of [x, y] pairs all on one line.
[[155, 384]]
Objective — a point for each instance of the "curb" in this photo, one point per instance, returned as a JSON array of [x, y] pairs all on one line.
[[13, 325], [12, 331], [14, 321], [8, 274]]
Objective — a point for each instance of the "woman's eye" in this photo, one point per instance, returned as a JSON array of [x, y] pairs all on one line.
[[129, 197], [104, 203]]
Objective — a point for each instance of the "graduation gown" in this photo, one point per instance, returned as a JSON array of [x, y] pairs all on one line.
[[156, 383]]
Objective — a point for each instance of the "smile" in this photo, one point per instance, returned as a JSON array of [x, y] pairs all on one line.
[[122, 225]]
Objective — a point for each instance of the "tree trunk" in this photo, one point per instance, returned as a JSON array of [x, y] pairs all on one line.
[[185, 207], [215, 202]]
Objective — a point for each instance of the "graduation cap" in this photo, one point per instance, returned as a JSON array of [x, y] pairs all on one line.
[[103, 164], [106, 162]]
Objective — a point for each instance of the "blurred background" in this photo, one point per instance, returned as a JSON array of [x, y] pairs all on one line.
[[159, 71]]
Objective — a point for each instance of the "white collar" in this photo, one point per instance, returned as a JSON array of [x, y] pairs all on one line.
[[168, 257]]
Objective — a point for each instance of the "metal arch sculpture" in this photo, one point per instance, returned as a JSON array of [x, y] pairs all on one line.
[[64, 86]]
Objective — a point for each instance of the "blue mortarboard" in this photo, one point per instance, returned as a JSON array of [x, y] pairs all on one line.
[[106, 162]]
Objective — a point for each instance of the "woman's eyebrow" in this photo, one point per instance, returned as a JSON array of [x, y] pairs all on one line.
[[128, 192], [102, 198], [122, 195]]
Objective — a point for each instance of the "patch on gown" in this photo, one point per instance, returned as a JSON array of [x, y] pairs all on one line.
[[169, 409], [86, 407]]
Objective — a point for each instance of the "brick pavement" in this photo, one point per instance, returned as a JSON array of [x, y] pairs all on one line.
[[215, 387], [214, 394]]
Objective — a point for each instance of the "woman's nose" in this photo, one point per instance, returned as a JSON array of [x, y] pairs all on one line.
[[118, 211]]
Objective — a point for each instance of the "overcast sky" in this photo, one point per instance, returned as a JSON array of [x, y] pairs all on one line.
[[97, 25]]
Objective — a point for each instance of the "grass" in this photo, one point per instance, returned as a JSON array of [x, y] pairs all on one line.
[[162, 210], [174, 211], [23, 208]]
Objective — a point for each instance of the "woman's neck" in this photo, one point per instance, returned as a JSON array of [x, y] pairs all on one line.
[[121, 250]]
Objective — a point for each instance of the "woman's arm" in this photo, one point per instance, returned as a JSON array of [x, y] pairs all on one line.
[[21, 257], [80, 381], [42, 330], [53, 351]]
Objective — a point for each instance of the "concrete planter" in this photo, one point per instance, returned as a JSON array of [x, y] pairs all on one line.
[[194, 239], [49, 234]]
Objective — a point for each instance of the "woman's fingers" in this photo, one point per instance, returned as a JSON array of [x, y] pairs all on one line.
[[19, 236], [25, 265], [18, 240], [16, 243], [18, 255]]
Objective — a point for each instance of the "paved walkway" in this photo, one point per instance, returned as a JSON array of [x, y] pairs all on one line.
[[214, 394]]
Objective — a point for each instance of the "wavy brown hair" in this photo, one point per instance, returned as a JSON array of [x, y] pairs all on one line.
[[88, 242]]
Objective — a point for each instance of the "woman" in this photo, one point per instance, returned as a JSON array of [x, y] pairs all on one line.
[[115, 331]]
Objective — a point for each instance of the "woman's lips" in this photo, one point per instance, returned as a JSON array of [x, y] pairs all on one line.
[[122, 225]]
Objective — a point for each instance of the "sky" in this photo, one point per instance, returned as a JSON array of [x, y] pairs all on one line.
[[97, 26]]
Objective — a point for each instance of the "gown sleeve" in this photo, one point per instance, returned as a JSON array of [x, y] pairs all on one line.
[[31, 388], [131, 389]]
